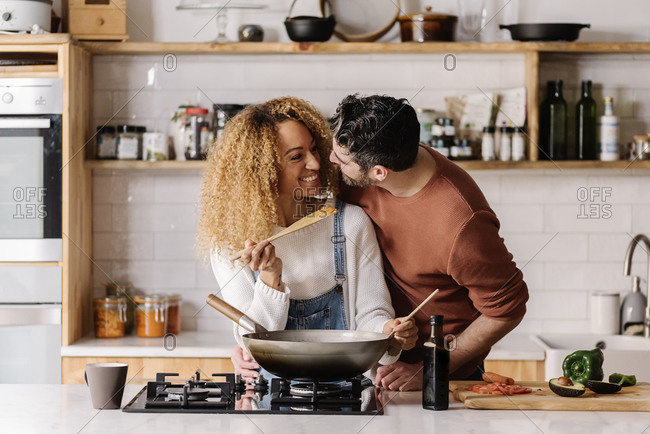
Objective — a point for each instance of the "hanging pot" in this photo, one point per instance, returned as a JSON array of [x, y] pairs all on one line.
[[310, 29]]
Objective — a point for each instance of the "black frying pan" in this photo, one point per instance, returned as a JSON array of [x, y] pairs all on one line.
[[545, 31]]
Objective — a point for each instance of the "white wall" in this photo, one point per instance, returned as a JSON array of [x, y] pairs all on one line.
[[144, 222], [158, 20]]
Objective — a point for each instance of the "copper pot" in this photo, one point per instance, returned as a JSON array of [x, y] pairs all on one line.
[[427, 27]]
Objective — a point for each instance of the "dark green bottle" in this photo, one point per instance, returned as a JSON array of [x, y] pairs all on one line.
[[435, 380], [553, 124], [586, 124]]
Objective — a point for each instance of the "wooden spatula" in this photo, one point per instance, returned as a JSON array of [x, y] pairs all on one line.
[[307, 220], [410, 315]]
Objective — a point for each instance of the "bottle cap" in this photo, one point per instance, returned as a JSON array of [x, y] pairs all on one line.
[[491, 130], [436, 319]]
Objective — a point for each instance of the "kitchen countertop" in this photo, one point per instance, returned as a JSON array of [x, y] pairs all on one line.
[[68, 409], [219, 344]]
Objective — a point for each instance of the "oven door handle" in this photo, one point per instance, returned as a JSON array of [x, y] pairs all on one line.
[[30, 315], [24, 123]]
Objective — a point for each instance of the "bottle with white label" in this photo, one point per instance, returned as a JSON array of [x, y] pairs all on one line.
[[608, 132]]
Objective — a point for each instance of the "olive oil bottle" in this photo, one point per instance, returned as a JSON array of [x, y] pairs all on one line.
[[586, 124], [435, 382], [553, 124]]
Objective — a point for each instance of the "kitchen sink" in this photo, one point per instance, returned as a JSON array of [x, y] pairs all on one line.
[[624, 354]]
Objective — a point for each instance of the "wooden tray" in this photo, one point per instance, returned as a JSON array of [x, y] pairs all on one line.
[[632, 398]]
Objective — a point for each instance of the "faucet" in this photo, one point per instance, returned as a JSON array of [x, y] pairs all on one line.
[[626, 271]]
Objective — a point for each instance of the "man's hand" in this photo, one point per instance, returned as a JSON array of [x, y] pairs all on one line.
[[244, 364], [400, 376], [406, 333]]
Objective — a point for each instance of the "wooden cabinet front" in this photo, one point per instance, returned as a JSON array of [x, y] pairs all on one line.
[[143, 369]]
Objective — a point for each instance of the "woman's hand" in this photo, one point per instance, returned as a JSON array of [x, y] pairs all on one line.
[[406, 333], [244, 364], [261, 257]]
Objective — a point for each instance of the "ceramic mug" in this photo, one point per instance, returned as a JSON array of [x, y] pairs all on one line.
[[605, 313], [106, 383]]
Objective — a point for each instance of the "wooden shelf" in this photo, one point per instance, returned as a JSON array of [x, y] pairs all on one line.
[[550, 165], [467, 165], [31, 264], [144, 165], [104, 48]]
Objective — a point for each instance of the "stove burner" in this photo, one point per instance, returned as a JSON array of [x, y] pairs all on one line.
[[193, 393], [307, 389], [226, 393]]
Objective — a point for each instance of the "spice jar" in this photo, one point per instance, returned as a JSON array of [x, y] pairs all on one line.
[[127, 143], [518, 144], [174, 314], [105, 149], [151, 316], [125, 291], [110, 317], [505, 144]]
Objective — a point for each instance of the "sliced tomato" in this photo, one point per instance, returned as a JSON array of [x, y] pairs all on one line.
[[499, 389]]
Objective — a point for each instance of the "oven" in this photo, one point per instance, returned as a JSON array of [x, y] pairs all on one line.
[[30, 229], [30, 169]]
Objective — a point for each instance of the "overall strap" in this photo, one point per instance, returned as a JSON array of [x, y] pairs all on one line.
[[338, 240]]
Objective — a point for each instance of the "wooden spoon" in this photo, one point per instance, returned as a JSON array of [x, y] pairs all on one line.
[[410, 315], [307, 220]]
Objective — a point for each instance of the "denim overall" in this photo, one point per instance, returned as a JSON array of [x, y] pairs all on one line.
[[326, 311]]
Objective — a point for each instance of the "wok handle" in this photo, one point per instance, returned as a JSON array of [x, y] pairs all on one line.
[[234, 314]]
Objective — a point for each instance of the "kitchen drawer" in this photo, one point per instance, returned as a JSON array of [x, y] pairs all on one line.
[[97, 23], [143, 369], [520, 370]]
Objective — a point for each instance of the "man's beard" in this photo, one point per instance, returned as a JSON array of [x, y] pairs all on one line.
[[363, 181]]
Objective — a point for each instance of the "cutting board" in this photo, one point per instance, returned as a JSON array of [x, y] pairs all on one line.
[[632, 398]]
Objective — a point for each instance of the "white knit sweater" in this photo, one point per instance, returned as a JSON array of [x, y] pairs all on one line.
[[308, 271]]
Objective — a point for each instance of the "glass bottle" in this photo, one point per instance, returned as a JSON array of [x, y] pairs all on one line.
[[586, 124], [435, 382], [553, 124], [608, 126], [487, 144]]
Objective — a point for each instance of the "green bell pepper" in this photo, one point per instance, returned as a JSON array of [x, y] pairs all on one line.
[[584, 365], [622, 380]]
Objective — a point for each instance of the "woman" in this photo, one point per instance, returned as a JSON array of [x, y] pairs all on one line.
[[270, 169]]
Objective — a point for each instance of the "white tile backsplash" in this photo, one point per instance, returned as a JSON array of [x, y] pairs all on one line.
[[144, 222]]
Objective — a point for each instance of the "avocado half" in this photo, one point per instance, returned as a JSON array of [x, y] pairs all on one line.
[[602, 386], [572, 391]]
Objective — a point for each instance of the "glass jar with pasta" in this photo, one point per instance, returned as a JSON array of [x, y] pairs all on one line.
[[110, 317], [151, 315]]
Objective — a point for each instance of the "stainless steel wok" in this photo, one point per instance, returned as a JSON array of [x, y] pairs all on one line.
[[323, 355]]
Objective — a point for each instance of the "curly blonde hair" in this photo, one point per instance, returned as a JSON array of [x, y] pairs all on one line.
[[240, 183]]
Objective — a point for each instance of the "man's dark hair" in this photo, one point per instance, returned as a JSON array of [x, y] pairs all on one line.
[[377, 130]]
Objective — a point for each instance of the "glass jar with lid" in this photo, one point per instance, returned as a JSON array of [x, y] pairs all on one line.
[[109, 317], [151, 315], [105, 149], [124, 290], [174, 314], [127, 142]]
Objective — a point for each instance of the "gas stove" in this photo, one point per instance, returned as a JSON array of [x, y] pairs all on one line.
[[227, 393]]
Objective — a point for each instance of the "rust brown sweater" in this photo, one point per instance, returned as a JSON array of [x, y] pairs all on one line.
[[445, 236]]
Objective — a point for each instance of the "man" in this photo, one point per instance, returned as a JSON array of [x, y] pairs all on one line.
[[436, 230]]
